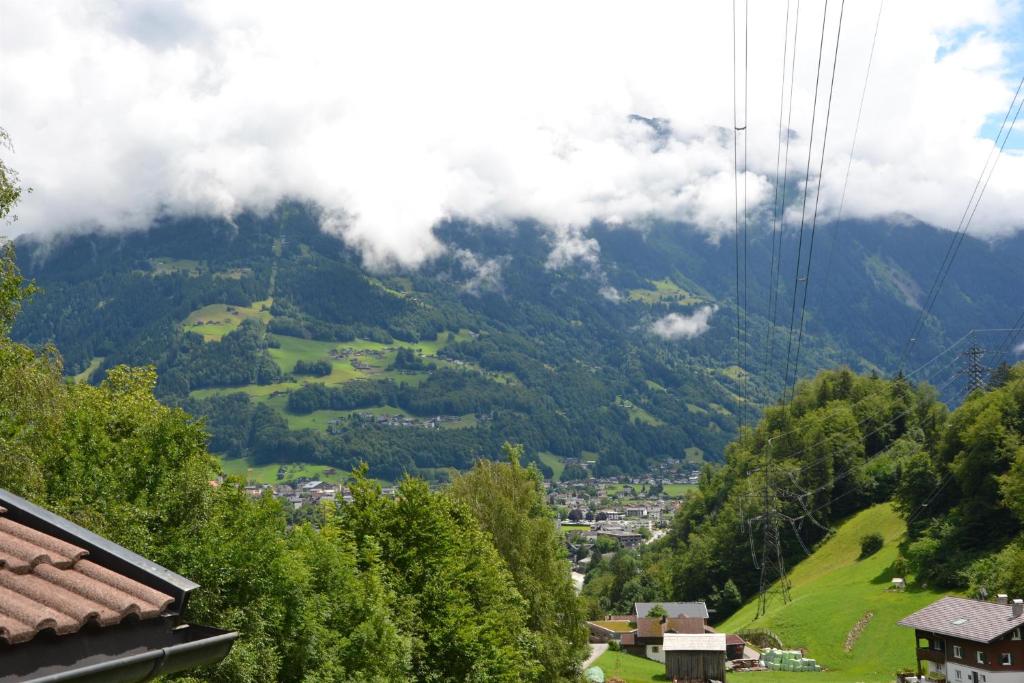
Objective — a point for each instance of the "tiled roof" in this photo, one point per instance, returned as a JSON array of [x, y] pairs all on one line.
[[673, 609], [974, 620], [692, 642], [652, 627], [648, 627], [46, 583]]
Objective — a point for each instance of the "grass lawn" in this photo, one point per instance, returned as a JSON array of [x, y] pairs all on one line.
[[694, 455], [169, 266], [83, 376], [216, 320], [678, 490], [567, 528], [832, 591], [664, 290], [256, 391], [631, 668], [267, 474], [635, 412], [554, 462]]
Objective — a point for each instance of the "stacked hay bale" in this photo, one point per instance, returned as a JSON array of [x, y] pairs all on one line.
[[787, 660]]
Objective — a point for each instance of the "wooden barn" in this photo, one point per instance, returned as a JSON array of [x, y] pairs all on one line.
[[695, 657]]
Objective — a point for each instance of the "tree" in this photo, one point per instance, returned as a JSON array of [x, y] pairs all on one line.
[[508, 502], [657, 611]]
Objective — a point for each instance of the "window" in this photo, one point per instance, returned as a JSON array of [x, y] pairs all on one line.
[[654, 649], [1006, 659], [958, 652], [981, 657], [1015, 634], [959, 674], [939, 645]]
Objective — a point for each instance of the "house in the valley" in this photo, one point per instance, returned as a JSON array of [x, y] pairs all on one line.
[[76, 607], [695, 658], [970, 641], [673, 610], [649, 637]]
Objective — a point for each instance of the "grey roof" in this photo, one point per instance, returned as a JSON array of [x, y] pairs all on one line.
[[980, 622], [673, 609]]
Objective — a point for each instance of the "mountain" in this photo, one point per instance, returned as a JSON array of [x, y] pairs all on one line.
[[427, 369]]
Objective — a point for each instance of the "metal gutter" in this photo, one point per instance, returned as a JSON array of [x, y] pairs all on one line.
[[148, 665]]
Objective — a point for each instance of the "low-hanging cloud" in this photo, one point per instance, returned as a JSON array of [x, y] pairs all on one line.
[[394, 118], [676, 326]]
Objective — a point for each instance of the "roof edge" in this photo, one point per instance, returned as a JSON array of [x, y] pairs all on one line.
[[101, 550]]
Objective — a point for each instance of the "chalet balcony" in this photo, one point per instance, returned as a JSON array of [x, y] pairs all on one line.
[[928, 654]]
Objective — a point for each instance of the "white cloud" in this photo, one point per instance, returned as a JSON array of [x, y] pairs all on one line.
[[1019, 348], [485, 274], [393, 116], [675, 326]]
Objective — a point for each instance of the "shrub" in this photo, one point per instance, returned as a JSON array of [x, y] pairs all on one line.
[[870, 544]]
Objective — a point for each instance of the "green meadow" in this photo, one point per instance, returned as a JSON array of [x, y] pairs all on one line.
[[832, 591]]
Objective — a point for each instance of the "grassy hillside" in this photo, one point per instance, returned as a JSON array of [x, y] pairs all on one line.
[[832, 592]]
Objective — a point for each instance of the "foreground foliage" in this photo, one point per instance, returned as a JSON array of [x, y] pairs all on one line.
[[411, 588]]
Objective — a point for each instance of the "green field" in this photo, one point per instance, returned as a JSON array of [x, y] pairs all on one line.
[[694, 455], [630, 668], [664, 290], [832, 591], [267, 474], [554, 462], [216, 320], [83, 376], [568, 528], [169, 266], [678, 490], [636, 413]]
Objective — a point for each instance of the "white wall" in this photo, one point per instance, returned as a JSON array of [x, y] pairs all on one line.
[[658, 656], [990, 676]]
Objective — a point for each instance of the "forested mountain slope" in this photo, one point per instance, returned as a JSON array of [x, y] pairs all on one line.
[[295, 352]]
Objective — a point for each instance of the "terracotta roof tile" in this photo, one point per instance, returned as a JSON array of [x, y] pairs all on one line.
[[46, 584]]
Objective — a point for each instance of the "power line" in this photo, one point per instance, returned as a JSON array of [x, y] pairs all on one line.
[[773, 294], [965, 220], [853, 147], [803, 213], [777, 216], [736, 217], [817, 196]]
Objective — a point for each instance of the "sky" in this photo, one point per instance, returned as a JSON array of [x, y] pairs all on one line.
[[393, 116]]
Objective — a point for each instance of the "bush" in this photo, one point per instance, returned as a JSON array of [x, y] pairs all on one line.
[[870, 544], [614, 645]]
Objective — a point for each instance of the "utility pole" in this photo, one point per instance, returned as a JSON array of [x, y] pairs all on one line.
[[773, 565], [972, 367]]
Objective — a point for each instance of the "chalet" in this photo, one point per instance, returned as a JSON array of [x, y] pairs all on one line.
[[970, 640], [649, 638], [76, 607], [695, 658]]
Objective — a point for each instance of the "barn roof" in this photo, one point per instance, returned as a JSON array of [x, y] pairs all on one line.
[[673, 609]]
